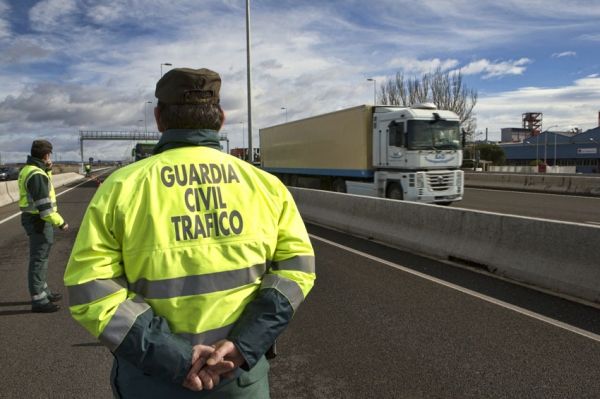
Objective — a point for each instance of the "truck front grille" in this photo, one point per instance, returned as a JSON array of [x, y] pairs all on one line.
[[440, 181]]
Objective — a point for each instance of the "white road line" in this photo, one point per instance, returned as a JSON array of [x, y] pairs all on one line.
[[598, 223], [58, 195], [556, 323]]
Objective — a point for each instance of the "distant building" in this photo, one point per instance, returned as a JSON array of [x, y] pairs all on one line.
[[242, 153], [514, 134], [581, 150]]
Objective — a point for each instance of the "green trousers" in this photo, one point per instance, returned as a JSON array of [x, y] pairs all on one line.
[[41, 238], [129, 382]]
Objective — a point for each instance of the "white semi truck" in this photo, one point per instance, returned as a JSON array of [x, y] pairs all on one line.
[[406, 153]]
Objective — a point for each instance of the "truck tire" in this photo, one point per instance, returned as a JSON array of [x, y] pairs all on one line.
[[394, 191], [338, 185]]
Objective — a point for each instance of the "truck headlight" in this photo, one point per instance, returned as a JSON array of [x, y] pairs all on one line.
[[420, 180]]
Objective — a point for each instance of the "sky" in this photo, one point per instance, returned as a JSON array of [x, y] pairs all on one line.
[[71, 65]]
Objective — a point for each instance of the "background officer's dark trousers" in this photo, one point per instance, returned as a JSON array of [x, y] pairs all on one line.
[[41, 238]]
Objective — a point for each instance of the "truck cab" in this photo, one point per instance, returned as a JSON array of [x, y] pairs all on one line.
[[416, 155], [416, 138]]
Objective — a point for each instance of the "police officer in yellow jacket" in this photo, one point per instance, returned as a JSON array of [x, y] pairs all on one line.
[[189, 264], [39, 217]]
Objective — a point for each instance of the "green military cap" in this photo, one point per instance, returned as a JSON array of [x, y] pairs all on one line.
[[189, 86]]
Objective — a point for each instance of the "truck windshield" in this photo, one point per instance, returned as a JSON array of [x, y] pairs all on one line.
[[433, 135]]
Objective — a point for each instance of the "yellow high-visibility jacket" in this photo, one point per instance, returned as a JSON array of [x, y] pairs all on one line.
[[36, 192], [188, 246]]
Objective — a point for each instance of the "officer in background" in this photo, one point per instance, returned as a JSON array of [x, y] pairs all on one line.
[[39, 216], [88, 170], [190, 263]]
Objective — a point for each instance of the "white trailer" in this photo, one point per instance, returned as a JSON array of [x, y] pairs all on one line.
[[406, 153]]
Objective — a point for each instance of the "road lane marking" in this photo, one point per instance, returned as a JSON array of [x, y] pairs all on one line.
[[58, 195], [597, 223], [556, 323]]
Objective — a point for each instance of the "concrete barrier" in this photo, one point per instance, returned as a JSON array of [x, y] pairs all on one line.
[[65, 178], [557, 184], [4, 198], [13, 190], [9, 191], [559, 256]]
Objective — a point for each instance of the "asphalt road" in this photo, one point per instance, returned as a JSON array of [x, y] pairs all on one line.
[[568, 208], [367, 330]]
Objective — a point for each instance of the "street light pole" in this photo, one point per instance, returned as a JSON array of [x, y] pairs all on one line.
[[537, 149], [243, 139], [249, 78], [374, 89], [555, 152], [547, 130], [546, 147], [165, 64]]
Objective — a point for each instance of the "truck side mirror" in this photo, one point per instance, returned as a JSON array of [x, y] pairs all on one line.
[[396, 134]]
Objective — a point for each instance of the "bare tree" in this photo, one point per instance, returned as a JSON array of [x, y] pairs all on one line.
[[444, 89]]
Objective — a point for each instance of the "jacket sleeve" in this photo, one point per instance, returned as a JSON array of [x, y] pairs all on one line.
[[99, 298], [284, 287], [38, 189]]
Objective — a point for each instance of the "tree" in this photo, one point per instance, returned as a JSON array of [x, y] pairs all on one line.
[[446, 90], [487, 152]]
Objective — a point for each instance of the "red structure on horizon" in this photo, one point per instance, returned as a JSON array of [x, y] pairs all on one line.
[[532, 121]]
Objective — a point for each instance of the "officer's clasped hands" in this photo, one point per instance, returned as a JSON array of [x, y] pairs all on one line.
[[212, 363]]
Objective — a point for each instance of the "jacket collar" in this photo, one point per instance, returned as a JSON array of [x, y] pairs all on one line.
[[176, 138], [37, 162]]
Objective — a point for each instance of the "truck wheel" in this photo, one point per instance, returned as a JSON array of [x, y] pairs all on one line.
[[339, 186], [394, 191]]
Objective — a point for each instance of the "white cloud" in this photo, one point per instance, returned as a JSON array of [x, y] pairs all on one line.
[[564, 54], [572, 105], [419, 67], [23, 50], [4, 23], [491, 69], [50, 14], [590, 36]]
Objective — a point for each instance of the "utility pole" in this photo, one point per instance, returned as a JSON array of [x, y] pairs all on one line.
[[249, 77]]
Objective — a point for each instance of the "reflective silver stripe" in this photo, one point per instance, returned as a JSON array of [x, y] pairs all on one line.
[[39, 296], [94, 290], [46, 212], [304, 264], [42, 201], [197, 285], [119, 325], [207, 337], [289, 288]]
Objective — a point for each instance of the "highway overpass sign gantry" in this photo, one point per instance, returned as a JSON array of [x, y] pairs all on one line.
[[124, 135], [114, 135]]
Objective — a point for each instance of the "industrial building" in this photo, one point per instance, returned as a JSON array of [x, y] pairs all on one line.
[[529, 145]]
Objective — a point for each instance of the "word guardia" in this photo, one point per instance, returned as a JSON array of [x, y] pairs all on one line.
[[197, 174], [208, 214]]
